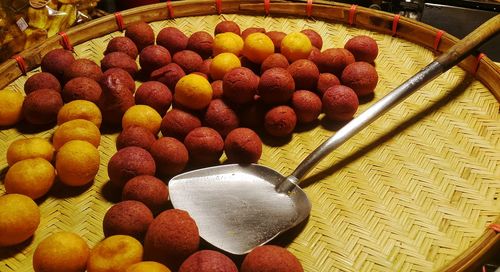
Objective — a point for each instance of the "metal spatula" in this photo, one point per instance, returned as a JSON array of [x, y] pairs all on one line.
[[239, 207]]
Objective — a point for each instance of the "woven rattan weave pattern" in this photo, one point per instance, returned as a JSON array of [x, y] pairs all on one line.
[[411, 192]]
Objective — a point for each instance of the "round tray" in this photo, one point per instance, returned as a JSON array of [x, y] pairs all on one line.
[[417, 190]]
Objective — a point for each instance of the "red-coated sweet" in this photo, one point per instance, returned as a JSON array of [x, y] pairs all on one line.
[[42, 80], [205, 146], [148, 190], [252, 30], [361, 77], [364, 48], [141, 34], [274, 60], [169, 75], [270, 258], [82, 88], [208, 261], [333, 60], [227, 26], [173, 39], [128, 217], [40, 107], [340, 103], [154, 94], [325, 81], [130, 162], [276, 86], [122, 44], [178, 123], [314, 37], [115, 77], [170, 155], [135, 136], [217, 89], [171, 238], [305, 74], [201, 43], [56, 62], [220, 117], [205, 67], [280, 121], [240, 85], [153, 57], [119, 60], [276, 37], [83, 68], [243, 145], [188, 60], [307, 106]]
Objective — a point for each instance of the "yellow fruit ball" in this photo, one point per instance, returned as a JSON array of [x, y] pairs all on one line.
[[227, 42], [115, 253], [147, 267], [258, 46], [77, 163], [20, 217], [11, 103], [61, 252], [29, 148], [223, 63], [296, 46], [78, 129], [193, 92], [143, 116], [80, 109], [30, 177]]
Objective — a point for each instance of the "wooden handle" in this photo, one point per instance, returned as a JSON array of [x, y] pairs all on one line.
[[463, 48]]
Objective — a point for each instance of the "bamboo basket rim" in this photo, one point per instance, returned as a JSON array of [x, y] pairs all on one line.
[[485, 70]]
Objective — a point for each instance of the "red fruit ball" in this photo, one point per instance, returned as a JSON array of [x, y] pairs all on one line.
[[169, 75], [240, 85], [364, 48], [82, 88], [171, 238], [153, 57], [154, 94], [333, 60], [83, 68], [243, 145], [148, 190], [141, 34], [127, 218], [276, 86], [122, 44], [130, 162], [271, 258], [340, 103], [274, 60], [217, 89], [205, 146], [220, 117], [307, 106], [173, 39], [135, 136], [280, 121], [276, 37], [188, 60], [42, 80], [305, 74], [227, 26], [325, 81], [361, 77], [56, 62], [40, 107], [314, 37], [119, 60], [201, 43], [170, 155], [252, 30], [178, 123], [208, 261]]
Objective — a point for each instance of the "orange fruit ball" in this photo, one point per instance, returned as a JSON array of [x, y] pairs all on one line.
[[80, 109], [30, 177], [78, 129], [11, 103], [29, 148], [223, 63], [296, 46], [227, 42], [115, 253], [257, 47], [77, 163], [61, 252], [142, 116], [193, 92], [20, 218]]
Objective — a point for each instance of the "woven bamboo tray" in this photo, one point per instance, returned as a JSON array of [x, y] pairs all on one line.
[[416, 191]]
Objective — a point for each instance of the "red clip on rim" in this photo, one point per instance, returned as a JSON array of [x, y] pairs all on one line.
[[65, 42], [267, 6], [218, 6], [395, 24], [21, 63], [170, 10], [119, 21], [478, 61], [352, 14], [439, 34], [309, 8]]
